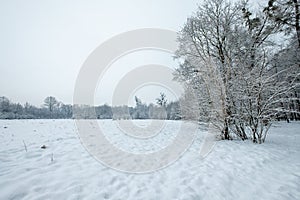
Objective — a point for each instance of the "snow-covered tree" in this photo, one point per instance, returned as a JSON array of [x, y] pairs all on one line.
[[225, 52], [50, 103], [206, 48], [141, 110], [162, 100], [4, 104], [287, 14], [173, 110]]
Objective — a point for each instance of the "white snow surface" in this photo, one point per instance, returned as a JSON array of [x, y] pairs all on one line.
[[232, 170]]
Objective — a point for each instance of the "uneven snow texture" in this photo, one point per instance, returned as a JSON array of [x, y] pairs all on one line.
[[232, 170]]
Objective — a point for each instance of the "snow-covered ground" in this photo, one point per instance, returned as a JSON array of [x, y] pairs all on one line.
[[65, 170]]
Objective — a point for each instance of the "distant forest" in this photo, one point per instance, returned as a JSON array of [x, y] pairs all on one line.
[[54, 109]]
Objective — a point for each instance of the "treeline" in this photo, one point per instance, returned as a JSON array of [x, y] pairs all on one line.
[[51, 109], [54, 109]]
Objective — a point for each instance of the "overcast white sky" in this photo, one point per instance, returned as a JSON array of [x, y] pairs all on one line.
[[44, 43]]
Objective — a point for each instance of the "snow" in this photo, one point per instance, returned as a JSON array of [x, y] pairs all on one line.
[[232, 169]]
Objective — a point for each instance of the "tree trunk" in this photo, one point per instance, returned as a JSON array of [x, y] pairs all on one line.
[[226, 130], [297, 106], [254, 137], [297, 19]]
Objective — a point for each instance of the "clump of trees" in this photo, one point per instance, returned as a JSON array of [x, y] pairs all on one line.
[[242, 67]]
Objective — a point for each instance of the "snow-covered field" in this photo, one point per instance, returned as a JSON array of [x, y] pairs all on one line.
[[65, 170]]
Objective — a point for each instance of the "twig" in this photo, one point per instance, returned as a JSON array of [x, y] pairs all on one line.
[[25, 146]]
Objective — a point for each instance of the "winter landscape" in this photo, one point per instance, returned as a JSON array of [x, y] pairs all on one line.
[[150, 100], [65, 170]]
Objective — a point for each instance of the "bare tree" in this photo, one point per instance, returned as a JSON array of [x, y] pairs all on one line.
[[206, 47], [50, 103], [162, 100]]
